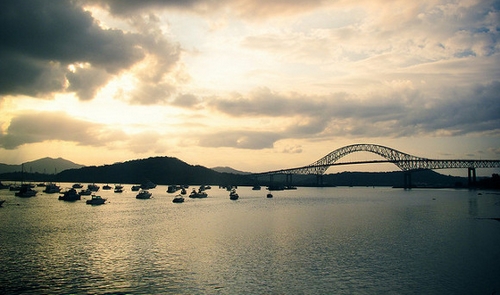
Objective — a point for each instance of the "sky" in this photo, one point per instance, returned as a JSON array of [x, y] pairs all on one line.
[[256, 85]]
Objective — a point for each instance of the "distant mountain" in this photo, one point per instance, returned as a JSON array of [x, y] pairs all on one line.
[[229, 170], [45, 165]]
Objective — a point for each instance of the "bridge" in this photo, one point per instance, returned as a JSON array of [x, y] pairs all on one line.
[[403, 161]]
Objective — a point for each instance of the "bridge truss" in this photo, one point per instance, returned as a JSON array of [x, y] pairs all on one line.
[[403, 161]]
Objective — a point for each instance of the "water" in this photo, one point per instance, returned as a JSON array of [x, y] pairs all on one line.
[[308, 241]]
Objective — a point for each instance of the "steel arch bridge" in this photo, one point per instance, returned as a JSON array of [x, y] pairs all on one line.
[[404, 161]]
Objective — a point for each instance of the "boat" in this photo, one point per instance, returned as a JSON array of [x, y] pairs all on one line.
[[198, 194], [172, 189], [204, 187], [26, 191], [144, 194], [119, 188], [93, 187], [14, 187], [70, 195], [256, 187], [3, 186], [148, 185], [77, 185], [51, 188], [276, 187], [85, 192], [178, 199], [233, 195], [136, 188], [106, 187], [96, 200]]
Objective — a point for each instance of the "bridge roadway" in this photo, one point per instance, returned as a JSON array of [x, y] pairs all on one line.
[[404, 161]]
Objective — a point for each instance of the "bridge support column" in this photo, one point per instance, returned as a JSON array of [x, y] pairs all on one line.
[[471, 173], [319, 179], [407, 180], [289, 179]]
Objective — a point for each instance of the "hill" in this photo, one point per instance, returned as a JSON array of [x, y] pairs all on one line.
[[45, 165], [159, 170], [229, 170]]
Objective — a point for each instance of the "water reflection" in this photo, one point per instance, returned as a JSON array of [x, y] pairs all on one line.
[[337, 240]]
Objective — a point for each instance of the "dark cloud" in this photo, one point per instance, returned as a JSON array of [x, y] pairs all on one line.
[[186, 101], [131, 7], [246, 8], [40, 127], [464, 111], [85, 82], [41, 39], [405, 113]]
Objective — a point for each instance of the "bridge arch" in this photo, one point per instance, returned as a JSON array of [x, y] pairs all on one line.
[[402, 160]]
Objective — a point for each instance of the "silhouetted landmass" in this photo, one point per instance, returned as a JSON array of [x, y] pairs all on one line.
[[168, 170], [424, 178], [159, 170], [490, 183]]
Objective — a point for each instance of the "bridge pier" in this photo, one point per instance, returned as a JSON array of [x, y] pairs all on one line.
[[407, 180], [471, 173], [319, 180], [289, 179]]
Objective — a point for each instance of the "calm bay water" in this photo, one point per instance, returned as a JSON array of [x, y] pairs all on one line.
[[305, 241]]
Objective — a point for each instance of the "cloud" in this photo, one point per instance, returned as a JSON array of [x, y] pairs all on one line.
[[404, 112], [40, 127], [85, 82], [463, 112], [239, 139], [250, 9], [56, 46], [186, 101]]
